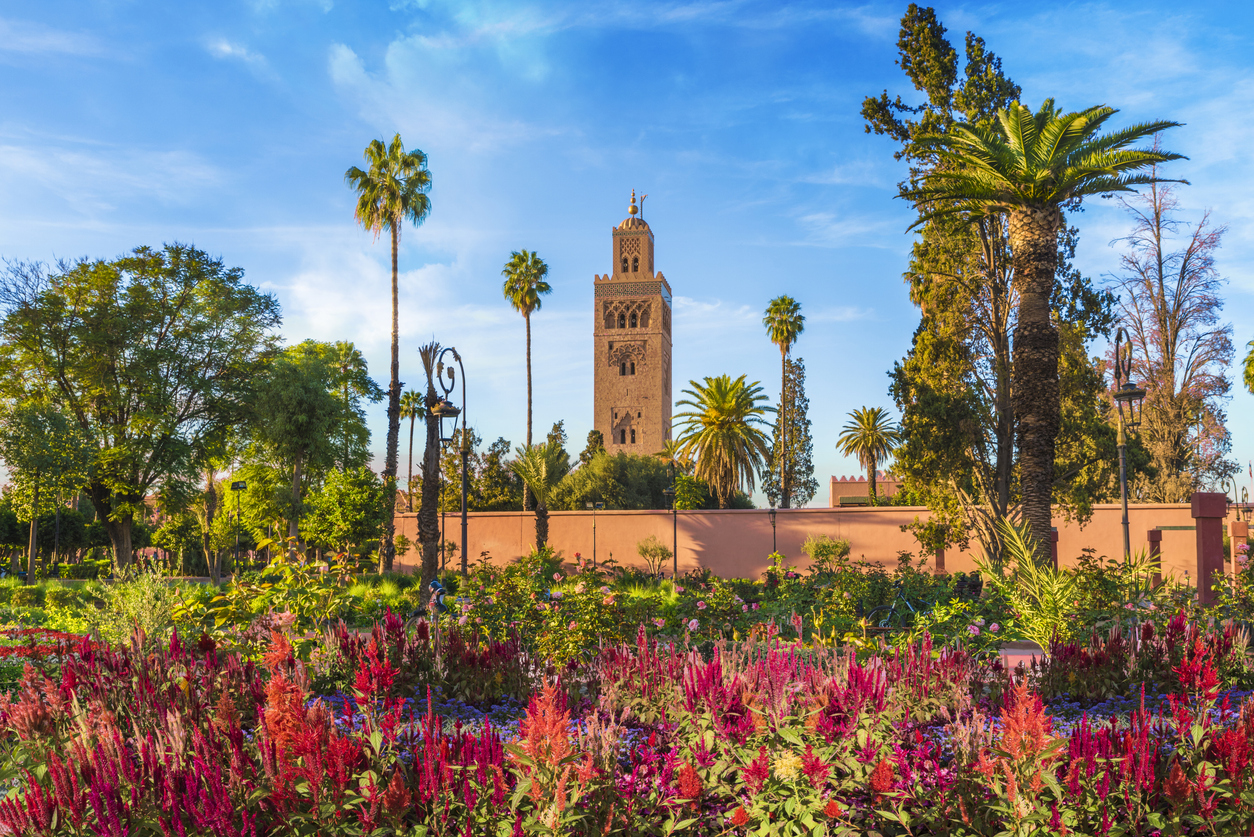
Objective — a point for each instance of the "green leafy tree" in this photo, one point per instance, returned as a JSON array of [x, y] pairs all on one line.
[[151, 355], [178, 535], [355, 385], [1025, 166], [47, 456], [784, 323], [347, 513], [451, 471], [298, 421], [621, 481], [595, 445], [792, 444], [541, 468], [411, 408], [392, 190], [871, 436], [498, 487], [525, 284], [722, 433]]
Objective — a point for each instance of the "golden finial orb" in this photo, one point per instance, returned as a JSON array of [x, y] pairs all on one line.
[[632, 210]]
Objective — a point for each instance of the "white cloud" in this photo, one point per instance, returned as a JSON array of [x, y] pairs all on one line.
[[256, 63], [37, 39]]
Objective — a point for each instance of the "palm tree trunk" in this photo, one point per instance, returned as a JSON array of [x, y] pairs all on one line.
[[784, 501], [409, 481], [429, 507], [387, 551], [529, 499], [542, 526], [870, 480], [1034, 242]]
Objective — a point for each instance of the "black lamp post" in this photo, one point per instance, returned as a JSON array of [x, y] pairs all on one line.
[[774, 548], [670, 492], [1128, 399], [595, 506], [440, 371]]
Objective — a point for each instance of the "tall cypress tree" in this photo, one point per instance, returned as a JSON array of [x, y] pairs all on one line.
[[797, 444]]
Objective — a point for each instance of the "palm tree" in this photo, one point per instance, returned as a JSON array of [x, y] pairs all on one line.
[[1026, 166], [411, 408], [672, 454], [871, 436], [784, 324], [541, 468], [351, 366], [722, 433], [393, 190], [524, 285]]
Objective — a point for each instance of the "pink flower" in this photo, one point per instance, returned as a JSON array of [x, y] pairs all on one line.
[[700, 605], [572, 626], [973, 630], [661, 623], [557, 576], [605, 589], [744, 608], [463, 620], [693, 625], [994, 627], [756, 605]]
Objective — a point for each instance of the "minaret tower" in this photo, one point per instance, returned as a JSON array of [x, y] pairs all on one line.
[[632, 344]]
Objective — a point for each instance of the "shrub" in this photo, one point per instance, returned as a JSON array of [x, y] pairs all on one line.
[[32, 596], [825, 551], [62, 598], [145, 603], [655, 554]]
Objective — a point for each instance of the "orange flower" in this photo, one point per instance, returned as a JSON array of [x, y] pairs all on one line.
[[740, 817], [689, 782], [1177, 787], [280, 653], [833, 809], [883, 777]]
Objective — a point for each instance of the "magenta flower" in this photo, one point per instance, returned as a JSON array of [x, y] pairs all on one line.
[[994, 627], [973, 630], [700, 605], [693, 625]]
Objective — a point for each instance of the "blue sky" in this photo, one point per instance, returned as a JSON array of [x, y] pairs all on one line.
[[230, 124]]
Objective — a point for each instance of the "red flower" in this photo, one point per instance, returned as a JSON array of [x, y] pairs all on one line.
[[739, 817], [689, 782], [883, 777], [814, 768], [758, 771], [833, 809]]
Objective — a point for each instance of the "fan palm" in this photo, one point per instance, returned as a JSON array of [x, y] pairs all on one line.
[[411, 408], [672, 454], [871, 436], [722, 433], [541, 468], [784, 324], [524, 285], [391, 191], [1025, 166]]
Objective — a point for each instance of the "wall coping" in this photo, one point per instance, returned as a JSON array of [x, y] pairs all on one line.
[[817, 510]]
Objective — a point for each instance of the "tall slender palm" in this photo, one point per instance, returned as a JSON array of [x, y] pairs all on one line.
[[411, 408], [524, 285], [722, 433], [1025, 166], [872, 437], [351, 366], [541, 468], [784, 324], [393, 190]]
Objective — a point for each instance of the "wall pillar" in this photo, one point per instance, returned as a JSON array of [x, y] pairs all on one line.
[[1209, 510], [1238, 531], [1155, 538], [939, 568]]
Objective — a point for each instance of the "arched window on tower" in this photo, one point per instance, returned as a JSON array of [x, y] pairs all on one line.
[[624, 264], [622, 320], [635, 264], [622, 437], [633, 436], [633, 367], [633, 319], [622, 370]]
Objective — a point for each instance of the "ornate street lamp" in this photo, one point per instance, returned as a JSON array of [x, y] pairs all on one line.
[[774, 548], [1128, 398], [441, 371]]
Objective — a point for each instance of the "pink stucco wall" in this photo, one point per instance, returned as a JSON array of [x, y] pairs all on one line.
[[736, 543]]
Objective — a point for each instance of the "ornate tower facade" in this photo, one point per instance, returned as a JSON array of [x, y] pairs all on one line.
[[632, 344]]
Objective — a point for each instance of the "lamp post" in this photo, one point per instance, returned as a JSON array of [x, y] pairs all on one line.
[[440, 371], [595, 506], [774, 547], [1128, 396]]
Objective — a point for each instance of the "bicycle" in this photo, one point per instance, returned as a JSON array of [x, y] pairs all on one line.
[[897, 614]]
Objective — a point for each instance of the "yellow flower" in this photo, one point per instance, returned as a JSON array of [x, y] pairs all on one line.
[[788, 767]]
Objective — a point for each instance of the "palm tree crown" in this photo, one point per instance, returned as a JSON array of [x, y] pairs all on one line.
[[524, 286], [722, 433], [542, 467], [1036, 160], [393, 189], [871, 436]]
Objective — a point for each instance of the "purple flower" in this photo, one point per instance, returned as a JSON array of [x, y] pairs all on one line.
[[700, 605]]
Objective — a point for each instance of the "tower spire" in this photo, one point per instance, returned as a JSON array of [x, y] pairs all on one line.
[[632, 210]]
